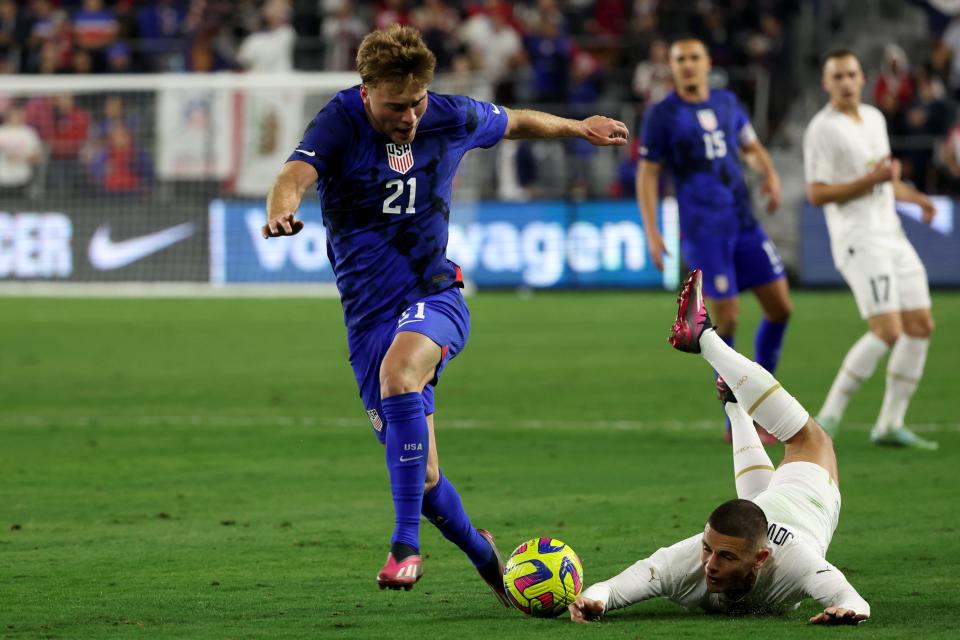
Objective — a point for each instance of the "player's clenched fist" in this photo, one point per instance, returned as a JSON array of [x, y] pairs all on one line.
[[583, 610], [603, 131], [838, 615], [285, 225]]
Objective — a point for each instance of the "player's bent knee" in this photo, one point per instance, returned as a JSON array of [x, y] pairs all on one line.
[[888, 335], [399, 382], [433, 477]]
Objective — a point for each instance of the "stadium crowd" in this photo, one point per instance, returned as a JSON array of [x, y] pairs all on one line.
[[573, 56]]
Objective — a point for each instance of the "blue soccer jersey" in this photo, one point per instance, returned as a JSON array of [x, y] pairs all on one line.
[[386, 207], [699, 144]]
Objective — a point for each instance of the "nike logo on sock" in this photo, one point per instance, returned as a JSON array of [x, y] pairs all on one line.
[[411, 459]]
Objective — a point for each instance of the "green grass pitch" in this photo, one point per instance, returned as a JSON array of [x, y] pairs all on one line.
[[204, 469]]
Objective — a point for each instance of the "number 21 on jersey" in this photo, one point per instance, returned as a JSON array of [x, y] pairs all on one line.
[[397, 187]]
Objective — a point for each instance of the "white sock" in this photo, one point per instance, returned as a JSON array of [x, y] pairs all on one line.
[[858, 365], [752, 468], [758, 392], [904, 371]]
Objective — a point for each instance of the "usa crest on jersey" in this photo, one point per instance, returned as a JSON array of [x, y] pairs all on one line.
[[707, 118], [400, 157]]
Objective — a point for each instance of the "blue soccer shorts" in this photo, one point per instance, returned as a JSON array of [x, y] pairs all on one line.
[[443, 317], [735, 262]]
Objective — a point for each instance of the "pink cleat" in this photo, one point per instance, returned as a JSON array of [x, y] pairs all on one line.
[[492, 572], [692, 319], [400, 575]]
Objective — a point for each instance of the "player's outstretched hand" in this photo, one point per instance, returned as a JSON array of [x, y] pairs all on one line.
[[838, 615], [602, 131], [285, 225], [583, 610]]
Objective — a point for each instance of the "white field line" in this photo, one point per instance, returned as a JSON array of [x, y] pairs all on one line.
[[76, 420]]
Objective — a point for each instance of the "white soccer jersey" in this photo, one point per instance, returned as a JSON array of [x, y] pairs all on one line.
[[795, 570], [838, 149]]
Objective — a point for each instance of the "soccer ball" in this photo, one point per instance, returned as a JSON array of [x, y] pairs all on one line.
[[542, 576]]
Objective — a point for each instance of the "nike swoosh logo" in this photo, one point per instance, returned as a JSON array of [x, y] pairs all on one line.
[[406, 322], [307, 153], [402, 459], [105, 254], [823, 571], [496, 109]]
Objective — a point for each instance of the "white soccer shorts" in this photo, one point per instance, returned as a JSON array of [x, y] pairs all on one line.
[[803, 496], [886, 277]]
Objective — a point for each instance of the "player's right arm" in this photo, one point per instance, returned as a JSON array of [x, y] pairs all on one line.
[[285, 196], [655, 145], [840, 601], [651, 577], [819, 166], [820, 193], [648, 176]]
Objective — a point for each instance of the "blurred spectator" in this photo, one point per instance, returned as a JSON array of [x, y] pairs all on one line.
[[81, 62], [94, 26], [14, 30], [120, 167], [585, 81], [894, 88], [20, 152], [549, 53], [609, 18], [204, 54], [342, 33], [388, 12], [270, 50], [63, 126], [493, 45], [652, 80], [160, 26], [51, 39], [925, 119], [950, 41], [115, 113], [438, 22], [119, 59]]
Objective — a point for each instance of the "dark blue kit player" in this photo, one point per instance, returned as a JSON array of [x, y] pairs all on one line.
[[383, 156], [698, 135]]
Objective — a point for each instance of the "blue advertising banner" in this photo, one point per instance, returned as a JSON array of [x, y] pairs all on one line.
[[537, 245], [937, 244]]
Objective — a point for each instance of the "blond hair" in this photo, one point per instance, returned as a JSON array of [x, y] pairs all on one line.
[[396, 55]]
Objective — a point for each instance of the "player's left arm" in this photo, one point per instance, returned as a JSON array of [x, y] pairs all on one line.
[[842, 604], [758, 159], [601, 131], [904, 192]]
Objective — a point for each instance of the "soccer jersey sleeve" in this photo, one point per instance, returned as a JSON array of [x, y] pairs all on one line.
[[485, 123], [654, 136], [827, 585], [659, 575], [741, 122], [324, 140], [817, 155]]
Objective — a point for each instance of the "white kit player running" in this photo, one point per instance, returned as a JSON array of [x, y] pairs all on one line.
[[764, 552], [850, 173]]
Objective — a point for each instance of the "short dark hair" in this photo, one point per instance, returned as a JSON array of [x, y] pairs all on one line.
[[396, 54], [740, 519], [839, 53], [687, 37]]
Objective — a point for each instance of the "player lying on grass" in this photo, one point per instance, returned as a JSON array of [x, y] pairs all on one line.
[[764, 552]]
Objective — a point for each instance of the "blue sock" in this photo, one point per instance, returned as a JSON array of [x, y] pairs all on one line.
[[768, 342], [408, 441], [730, 340], [442, 507]]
